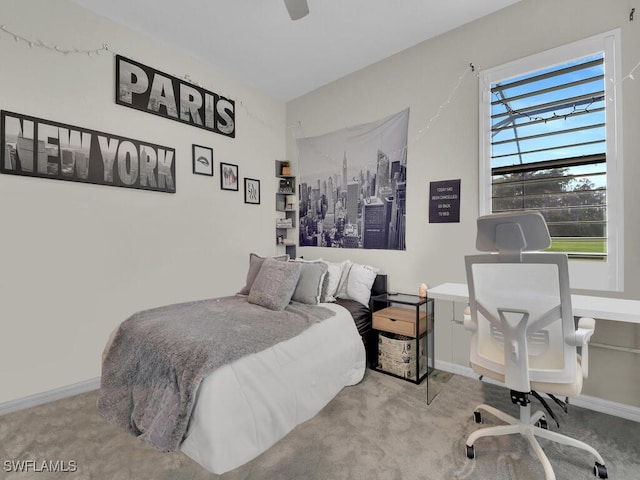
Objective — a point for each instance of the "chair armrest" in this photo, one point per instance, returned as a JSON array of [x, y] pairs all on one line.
[[469, 324], [586, 327]]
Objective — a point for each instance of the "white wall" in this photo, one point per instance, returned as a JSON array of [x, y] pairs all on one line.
[[443, 144], [77, 259]]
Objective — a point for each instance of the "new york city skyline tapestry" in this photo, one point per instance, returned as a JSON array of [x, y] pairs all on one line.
[[353, 186]]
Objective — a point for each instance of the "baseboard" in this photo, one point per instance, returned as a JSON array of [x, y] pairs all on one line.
[[49, 396], [606, 406], [585, 401]]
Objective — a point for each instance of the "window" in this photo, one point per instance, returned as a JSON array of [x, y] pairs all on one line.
[[549, 143]]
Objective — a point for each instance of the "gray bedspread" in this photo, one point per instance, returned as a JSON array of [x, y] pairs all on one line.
[[158, 358]]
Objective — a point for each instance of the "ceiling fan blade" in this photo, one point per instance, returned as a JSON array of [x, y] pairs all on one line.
[[297, 8]]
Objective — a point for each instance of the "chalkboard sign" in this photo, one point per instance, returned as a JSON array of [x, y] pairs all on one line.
[[444, 201]]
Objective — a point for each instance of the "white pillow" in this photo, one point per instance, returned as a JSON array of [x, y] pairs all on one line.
[[332, 280], [356, 283], [341, 291]]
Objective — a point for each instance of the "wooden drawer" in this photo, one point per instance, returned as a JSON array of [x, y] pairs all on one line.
[[399, 320]]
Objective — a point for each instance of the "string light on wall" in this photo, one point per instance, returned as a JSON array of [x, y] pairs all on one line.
[[105, 48], [39, 43], [630, 74], [442, 106], [298, 128], [554, 116], [472, 69]]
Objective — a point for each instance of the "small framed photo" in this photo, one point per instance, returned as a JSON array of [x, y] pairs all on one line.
[[252, 191], [202, 160], [228, 176]]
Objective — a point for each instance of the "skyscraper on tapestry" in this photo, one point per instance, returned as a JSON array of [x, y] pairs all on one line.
[[353, 186]]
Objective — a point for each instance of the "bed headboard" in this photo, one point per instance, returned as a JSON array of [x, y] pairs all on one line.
[[379, 285], [378, 288]]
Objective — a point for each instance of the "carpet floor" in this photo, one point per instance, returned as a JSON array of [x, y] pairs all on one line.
[[381, 428]]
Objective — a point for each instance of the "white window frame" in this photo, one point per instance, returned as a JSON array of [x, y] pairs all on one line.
[[583, 274]]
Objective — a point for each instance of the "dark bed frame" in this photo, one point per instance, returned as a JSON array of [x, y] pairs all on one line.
[[363, 317], [369, 337]]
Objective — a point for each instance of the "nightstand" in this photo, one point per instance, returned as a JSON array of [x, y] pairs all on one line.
[[404, 329]]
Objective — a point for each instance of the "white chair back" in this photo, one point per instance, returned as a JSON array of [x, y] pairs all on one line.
[[520, 303]]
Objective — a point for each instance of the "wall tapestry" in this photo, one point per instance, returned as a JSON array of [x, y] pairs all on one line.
[[353, 186], [42, 148], [144, 88]]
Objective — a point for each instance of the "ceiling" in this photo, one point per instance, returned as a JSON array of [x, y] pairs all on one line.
[[256, 42]]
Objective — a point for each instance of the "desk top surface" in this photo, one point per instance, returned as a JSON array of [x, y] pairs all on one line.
[[604, 308]]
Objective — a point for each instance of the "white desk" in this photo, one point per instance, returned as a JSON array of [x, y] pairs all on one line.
[[603, 308]]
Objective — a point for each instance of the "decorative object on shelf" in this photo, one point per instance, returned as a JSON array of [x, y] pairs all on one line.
[[286, 185], [43, 148], [202, 160], [284, 222], [228, 176], [252, 191], [422, 290], [149, 90], [285, 168], [290, 202]]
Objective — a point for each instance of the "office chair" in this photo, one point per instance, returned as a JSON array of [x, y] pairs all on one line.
[[524, 333]]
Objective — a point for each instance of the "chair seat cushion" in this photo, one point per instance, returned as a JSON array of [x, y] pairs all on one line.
[[562, 389]]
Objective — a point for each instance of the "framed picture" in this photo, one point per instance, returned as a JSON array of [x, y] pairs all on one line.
[[228, 176], [252, 191], [202, 160]]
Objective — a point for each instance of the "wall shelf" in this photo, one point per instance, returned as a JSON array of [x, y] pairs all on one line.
[[287, 204]]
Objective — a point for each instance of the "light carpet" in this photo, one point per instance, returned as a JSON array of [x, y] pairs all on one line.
[[381, 428]]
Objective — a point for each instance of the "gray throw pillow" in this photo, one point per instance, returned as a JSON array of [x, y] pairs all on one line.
[[275, 283], [255, 263], [309, 288]]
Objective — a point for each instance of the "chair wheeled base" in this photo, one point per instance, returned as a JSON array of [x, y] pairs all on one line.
[[530, 426]]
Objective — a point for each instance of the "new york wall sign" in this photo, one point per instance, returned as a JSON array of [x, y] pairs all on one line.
[[36, 147]]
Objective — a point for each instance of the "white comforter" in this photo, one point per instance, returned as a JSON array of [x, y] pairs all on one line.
[[245, 407]]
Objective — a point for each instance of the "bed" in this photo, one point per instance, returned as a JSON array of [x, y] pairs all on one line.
[[231, 412]]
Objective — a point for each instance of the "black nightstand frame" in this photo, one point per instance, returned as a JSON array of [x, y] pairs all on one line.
[[378, 302]]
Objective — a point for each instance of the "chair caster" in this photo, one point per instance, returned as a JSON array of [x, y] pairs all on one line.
[[599, 470], [471, 453], [542, 423], [477, 417]]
